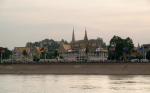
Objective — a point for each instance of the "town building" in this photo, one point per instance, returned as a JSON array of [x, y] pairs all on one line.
[[22, 53], [146, 48], [84, 50], [141, 50]]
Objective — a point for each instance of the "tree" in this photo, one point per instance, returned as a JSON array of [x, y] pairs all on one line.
[[148, 55], [49, 44], [5, 53], [119, 48], [128, 45], [56, 54], [115, 48]]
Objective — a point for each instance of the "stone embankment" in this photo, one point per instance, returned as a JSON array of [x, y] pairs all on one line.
[[78, 68]]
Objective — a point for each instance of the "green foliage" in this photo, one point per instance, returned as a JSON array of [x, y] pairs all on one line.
[[35, 58], [118, 47], [56, 54], [51, 46], [49, 55], [6, 53]]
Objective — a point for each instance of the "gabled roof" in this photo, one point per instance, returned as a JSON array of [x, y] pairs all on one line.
[[21, 49], [146, 45], [66, 46]]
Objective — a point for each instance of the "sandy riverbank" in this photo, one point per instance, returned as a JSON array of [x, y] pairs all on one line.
[[69, 69]]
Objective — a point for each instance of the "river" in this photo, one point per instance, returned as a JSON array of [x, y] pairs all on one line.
[[74, 84]]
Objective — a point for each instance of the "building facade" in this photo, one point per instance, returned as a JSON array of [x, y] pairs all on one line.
[[22, 53], [84, 50], [146, 48]]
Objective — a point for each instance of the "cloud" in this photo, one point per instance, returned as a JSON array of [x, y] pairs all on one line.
[[31, 20]]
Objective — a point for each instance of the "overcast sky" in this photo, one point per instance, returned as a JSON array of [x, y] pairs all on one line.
[[33, 20]]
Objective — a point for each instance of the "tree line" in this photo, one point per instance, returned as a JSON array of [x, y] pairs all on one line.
[[124, 49]]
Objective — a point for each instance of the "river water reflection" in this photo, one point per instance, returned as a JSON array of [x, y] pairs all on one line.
[[74, 84]]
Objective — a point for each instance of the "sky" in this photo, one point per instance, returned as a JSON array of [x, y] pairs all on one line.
[[23, 21]]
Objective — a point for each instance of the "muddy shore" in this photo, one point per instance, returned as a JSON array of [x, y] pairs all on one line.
[[79, 69]]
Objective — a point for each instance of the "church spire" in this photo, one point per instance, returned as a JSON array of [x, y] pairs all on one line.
[[73, 40], [85, 37], [73, 36]]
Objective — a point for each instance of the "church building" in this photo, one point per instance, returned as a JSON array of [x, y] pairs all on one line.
[[83, 50]]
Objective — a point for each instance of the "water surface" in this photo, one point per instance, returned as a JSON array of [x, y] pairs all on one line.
[[74, 84]]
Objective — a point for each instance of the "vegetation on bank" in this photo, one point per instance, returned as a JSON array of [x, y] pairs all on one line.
[[123, 49], [49, 49], [120, 48], [5, 53]]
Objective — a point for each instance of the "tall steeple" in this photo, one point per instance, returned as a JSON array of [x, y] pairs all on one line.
[[86, 42], [73, 40], [85, 37], [73, 36]]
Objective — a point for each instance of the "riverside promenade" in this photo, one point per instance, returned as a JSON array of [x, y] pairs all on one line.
[[77, 68]]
